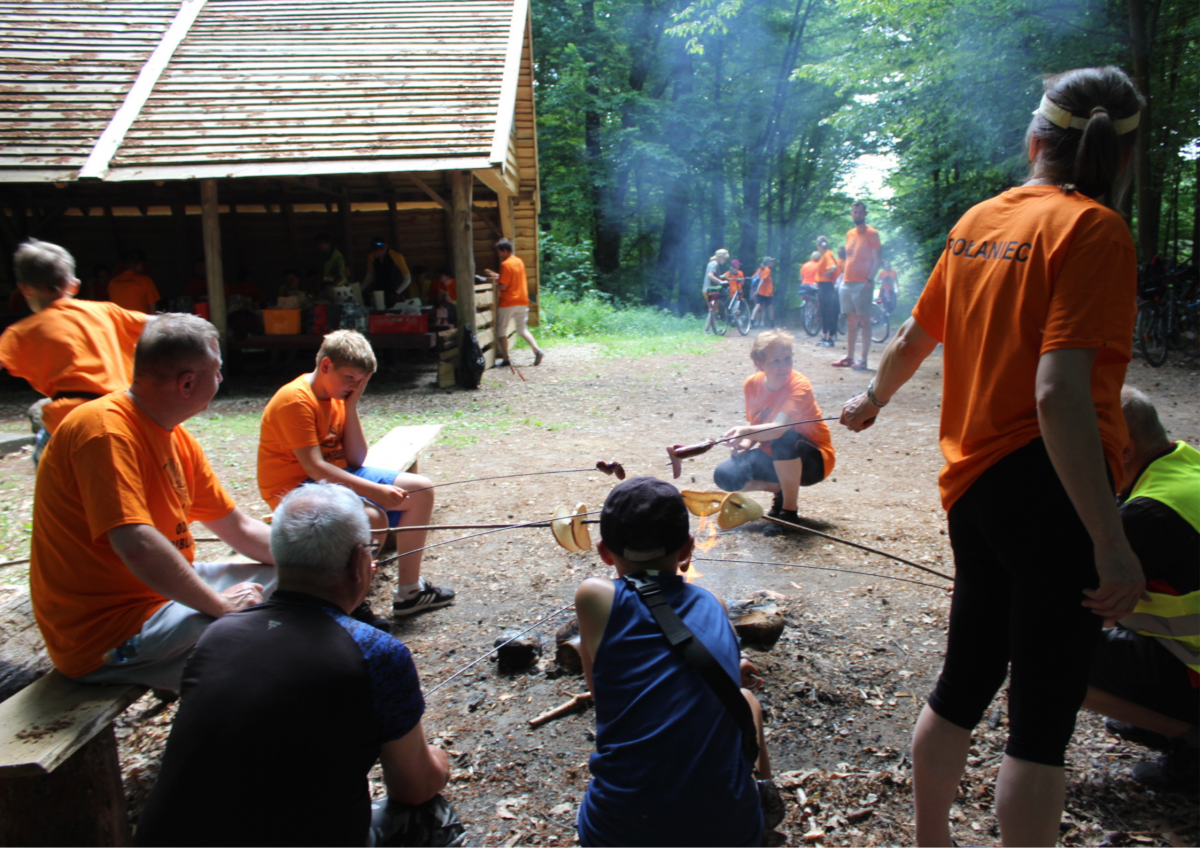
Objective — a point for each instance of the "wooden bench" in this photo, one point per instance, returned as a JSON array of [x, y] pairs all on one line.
[[402, 446]]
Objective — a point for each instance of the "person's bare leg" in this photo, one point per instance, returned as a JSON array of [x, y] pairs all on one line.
[[761, 486], [789, 472], [529, 339], [1029, 802], [755, 313], [939, 753], [377, 518], [864, 321], [418, 510], [851, 333], [1108, 704], [764, 757]]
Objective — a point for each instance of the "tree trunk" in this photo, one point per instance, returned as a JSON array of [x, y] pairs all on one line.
[[1142, 14], [673, 253], [606, 235]]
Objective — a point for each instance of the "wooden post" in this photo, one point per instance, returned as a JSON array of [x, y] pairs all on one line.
[[508, 224], [347, 233], [462, 248], [210, 221]]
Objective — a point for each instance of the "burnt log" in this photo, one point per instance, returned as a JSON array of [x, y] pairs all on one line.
[[567, 644], [520, 653]]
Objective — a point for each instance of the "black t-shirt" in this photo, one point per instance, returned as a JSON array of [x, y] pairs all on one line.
[[284, 708]]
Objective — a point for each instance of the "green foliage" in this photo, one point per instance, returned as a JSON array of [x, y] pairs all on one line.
[[619, 330]]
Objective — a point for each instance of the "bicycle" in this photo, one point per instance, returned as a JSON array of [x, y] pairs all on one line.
[[1168, 316], [717, 310], [739, 312], [810, 311], [881, 324]]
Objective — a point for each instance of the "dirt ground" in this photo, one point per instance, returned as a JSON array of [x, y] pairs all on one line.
[[843, 685]]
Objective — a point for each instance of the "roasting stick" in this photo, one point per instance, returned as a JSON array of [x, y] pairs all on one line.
[[540, 522], [480, 659], [577, 701], [543, 523], [816, 568], [867, 548], [509, 477]]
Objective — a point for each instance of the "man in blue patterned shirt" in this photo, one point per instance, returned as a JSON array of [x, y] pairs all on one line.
[[287, 705]]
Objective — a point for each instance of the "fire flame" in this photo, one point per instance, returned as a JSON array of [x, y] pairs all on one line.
[[706, 538]]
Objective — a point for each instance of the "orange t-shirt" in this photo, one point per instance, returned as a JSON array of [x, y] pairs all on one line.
[[862, 254], [296, 418], [794, 399], [766, 286], [827, 267], [514, 289], [735, 278], [109, 465], [73, 346], [450, 289], [1029, 271], [887, 280], [808, 272], [133, 291]]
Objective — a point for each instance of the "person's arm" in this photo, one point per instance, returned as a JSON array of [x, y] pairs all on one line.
[[751, 433], [413, 770], [593, 604], [1067, 419], [354, 441], [248, 536], [155, 561], [900, 361], [315, 466]]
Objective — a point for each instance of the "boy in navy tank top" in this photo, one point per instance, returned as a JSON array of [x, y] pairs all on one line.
[[668, 767]]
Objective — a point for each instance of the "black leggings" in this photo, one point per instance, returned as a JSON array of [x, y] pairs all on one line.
[[1022, 559], [827, 298], [735, 472]]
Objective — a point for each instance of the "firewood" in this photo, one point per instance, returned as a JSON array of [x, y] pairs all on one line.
[[577, 701]]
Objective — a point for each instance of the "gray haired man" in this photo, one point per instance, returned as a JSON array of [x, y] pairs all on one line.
[[304, 700]]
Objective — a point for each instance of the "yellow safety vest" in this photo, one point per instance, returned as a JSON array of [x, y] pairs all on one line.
[[1173, 480]]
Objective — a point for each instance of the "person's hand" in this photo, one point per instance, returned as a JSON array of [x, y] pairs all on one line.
[[391, 498], [1122, 582], [751, 678], [859, 413], [352, 399], [241, 596]]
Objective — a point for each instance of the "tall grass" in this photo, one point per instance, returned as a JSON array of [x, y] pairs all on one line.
[[619, 330]]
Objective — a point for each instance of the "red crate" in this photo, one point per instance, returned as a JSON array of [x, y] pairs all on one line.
[[391, 323]]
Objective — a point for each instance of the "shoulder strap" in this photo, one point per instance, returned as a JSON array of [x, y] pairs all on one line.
[[698, 657]]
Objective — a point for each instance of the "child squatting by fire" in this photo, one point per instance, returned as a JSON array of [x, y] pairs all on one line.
[[669, 766]]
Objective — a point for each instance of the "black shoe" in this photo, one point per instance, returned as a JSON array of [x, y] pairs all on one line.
[[776, 505], [1138, 735], [430, 597], [364, 614], [1175, 771], [778, 529]]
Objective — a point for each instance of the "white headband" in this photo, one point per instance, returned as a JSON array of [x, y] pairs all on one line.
[[1060, 117]]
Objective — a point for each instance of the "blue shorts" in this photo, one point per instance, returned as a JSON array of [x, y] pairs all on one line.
[[376, 475]]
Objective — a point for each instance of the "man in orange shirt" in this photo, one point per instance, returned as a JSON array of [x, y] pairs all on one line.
[[863, 255], [311, 431], [112, 579], [132, 289], [514, 301], [72, 351]]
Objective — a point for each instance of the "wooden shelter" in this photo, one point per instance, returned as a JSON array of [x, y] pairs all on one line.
[[237, 130]]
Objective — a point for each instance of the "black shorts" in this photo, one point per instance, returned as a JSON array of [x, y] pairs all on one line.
[[765, 299], [1140, 669], [735, 472]]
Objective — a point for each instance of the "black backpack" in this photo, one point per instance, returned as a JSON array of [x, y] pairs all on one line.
[[471, 365]]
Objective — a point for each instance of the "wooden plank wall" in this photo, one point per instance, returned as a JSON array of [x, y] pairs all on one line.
[[526, 204], [485, 321], [256, 242]]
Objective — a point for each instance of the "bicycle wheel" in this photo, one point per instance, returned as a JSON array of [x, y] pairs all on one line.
[[881, 324], [741, 316], [842, 323], [812, 316], [1151, 334], [721, 319]]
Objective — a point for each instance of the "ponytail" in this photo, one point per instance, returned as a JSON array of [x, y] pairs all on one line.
[[1087, 120]]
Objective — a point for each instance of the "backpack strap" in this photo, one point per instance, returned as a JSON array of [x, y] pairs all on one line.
[[698, 657]]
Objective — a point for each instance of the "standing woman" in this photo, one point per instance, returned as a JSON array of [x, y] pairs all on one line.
[[827, 297], [1033, 300]]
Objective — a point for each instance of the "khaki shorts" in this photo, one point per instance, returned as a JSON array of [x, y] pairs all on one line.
[[518, 315], [856, 298]]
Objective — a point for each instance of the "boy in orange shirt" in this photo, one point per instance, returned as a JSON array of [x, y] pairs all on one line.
[[70, 350], [765, 296], [311, 431], [132, 288], [514, 301]]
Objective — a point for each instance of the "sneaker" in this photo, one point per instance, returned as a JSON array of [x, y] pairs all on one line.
[[500, 363], [1175, 771], [844, 362], [1137, 735], [430, 597], [538, 357], [778, 529], [364, 614], [776, 505], [860, 365]]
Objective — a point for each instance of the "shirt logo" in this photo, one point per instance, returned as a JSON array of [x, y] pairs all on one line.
[[272, 624]]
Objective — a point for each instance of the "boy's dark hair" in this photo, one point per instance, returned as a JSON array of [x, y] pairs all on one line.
[[505, 244], [44, 266]]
